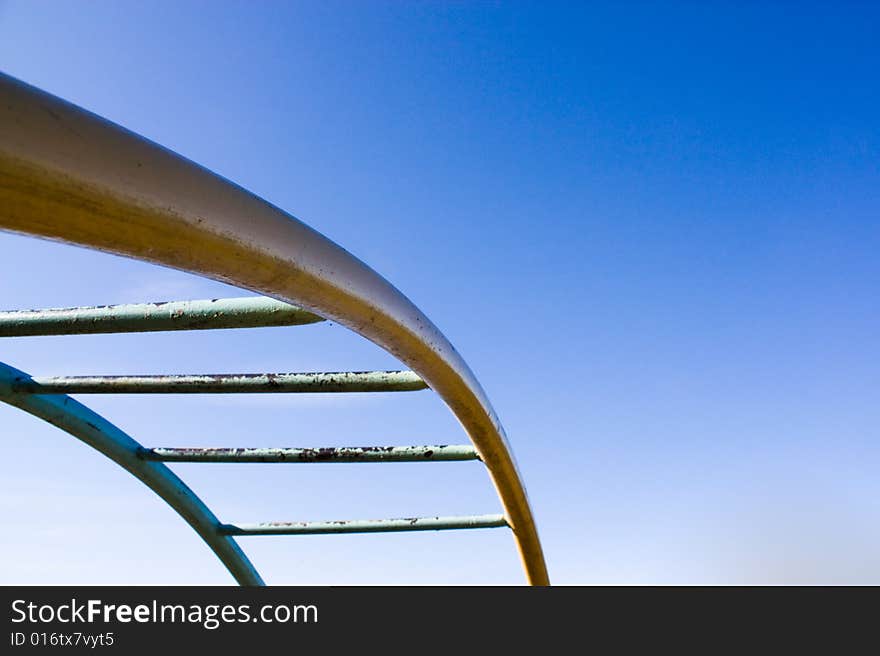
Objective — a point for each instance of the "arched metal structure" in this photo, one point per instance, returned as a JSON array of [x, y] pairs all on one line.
[[68, 175]]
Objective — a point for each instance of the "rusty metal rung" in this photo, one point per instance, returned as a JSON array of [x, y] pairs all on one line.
[[358, 381], [352, 454], [366, 525], [246, 312]]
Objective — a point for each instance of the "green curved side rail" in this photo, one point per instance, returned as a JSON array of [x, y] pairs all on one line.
[[90, 427], [71, 176]]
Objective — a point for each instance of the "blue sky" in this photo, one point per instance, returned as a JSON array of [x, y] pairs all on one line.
[[651, 230]]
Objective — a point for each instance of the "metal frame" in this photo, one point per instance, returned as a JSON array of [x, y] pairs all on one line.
[[90, 427], [71, 176]]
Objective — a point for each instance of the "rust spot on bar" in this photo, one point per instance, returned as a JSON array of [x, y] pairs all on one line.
[[360, 454]]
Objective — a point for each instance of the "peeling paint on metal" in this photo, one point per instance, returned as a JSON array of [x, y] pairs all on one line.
[[366, 525], [247, 312], [354, 381], [439, 453]]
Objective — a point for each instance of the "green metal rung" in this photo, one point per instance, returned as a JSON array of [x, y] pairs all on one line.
[[366, 525], [247, 312], [363, 381], [428, 453]]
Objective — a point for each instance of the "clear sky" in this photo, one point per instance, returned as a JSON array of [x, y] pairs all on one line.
[[651, 229]]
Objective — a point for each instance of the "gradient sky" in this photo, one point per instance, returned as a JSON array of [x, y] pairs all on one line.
[[651, 229]]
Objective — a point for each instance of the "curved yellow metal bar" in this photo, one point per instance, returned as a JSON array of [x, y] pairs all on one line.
[[69, 175]]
